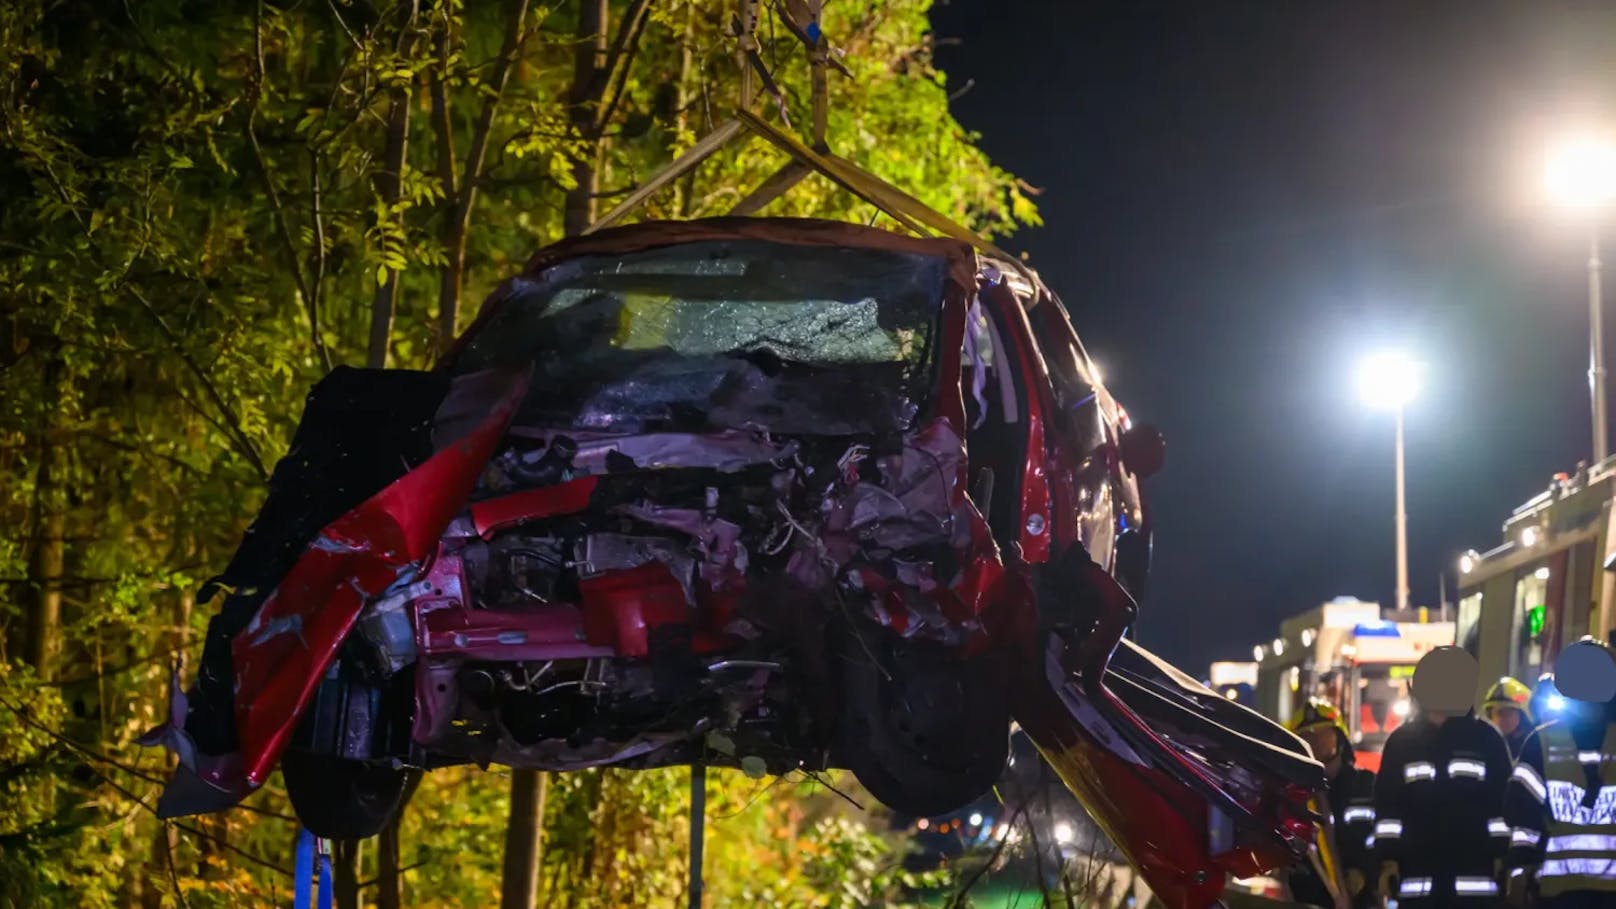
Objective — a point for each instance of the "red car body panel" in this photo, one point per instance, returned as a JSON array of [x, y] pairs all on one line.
[[1149, 816], [286, 648], [494, 515], [1034, 380], [1150, 800]]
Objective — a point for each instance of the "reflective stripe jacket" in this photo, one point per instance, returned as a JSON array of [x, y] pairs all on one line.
[[1438, 801], [1352, 801], [1561, 808]]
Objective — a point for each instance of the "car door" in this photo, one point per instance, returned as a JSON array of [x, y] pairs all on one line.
[[1084, 427]]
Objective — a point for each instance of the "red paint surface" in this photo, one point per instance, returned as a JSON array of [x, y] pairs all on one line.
[[282, 654], [553, 632], [493, 515], [948, 401], [621, 607], [1157, 822], [1155, 814], [1036, 496], [1033, 376]]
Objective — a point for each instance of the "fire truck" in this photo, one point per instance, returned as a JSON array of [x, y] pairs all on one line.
[[1354, 655], [1548, 583]]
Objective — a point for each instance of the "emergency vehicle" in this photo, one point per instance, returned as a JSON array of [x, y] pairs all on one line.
[[1354, 655], [1236, 681], [1546, 584]]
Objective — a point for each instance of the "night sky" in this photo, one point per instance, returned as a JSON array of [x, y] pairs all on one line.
[[1243, 198]]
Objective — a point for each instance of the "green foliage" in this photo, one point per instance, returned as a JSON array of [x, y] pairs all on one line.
[[197, 213]]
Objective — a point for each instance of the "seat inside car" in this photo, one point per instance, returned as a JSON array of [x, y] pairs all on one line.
[[995, 429]]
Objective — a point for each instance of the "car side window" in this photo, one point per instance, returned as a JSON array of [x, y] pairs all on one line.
[[1078, 415], [995, 428]]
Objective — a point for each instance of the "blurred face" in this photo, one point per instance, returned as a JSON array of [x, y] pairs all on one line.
[[1505, 719], [1326, 747]]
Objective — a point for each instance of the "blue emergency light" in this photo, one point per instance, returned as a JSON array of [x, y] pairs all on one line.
[[1376, 630]]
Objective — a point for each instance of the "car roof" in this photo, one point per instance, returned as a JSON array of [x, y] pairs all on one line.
[[801, 231]]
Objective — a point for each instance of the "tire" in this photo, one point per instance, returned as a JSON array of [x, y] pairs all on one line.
[[340, 799], [923, 730]]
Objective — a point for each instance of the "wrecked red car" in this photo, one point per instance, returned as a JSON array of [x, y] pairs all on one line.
[[760, 493]]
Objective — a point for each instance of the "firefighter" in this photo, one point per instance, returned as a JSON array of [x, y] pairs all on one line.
[[1439, 831], [1351, 794], [1507, 706], [1562, 797]]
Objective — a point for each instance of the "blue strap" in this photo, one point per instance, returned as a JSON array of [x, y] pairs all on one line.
[[303, 870], [325, 880]]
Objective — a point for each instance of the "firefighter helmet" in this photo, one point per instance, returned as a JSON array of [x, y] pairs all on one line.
[[1508, 692], [1318, 713]]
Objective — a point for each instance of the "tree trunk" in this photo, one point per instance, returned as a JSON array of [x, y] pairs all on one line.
[[346, 854], [525, 825], [45, 578], [154, 877], [345, 863], [524, 831], [180, 639], [47, 557], [383, 305], [462, 194], [146, 889], [389, 874], [212, 856], [684, 187], [583, 102], [453, 236]]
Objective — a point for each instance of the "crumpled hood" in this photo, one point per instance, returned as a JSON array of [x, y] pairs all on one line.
[[1189, 786]]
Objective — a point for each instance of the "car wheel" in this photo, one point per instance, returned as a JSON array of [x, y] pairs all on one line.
[[342, 799], [923, 730]]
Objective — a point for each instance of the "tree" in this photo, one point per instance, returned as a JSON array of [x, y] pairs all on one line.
[[209, 204]]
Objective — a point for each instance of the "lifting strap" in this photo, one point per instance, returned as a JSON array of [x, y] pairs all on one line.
[[802, 17], [304, 877], [698, 829]]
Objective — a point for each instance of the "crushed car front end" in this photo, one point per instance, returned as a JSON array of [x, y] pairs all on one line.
[[767, 493]]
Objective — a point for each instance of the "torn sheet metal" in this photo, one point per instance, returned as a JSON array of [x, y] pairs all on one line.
[[1161, 823], [283, 652], [493, 515], [598, 453], [1164, 765]]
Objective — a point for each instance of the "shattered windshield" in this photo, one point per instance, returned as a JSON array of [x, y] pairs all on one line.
[[719, 335]]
